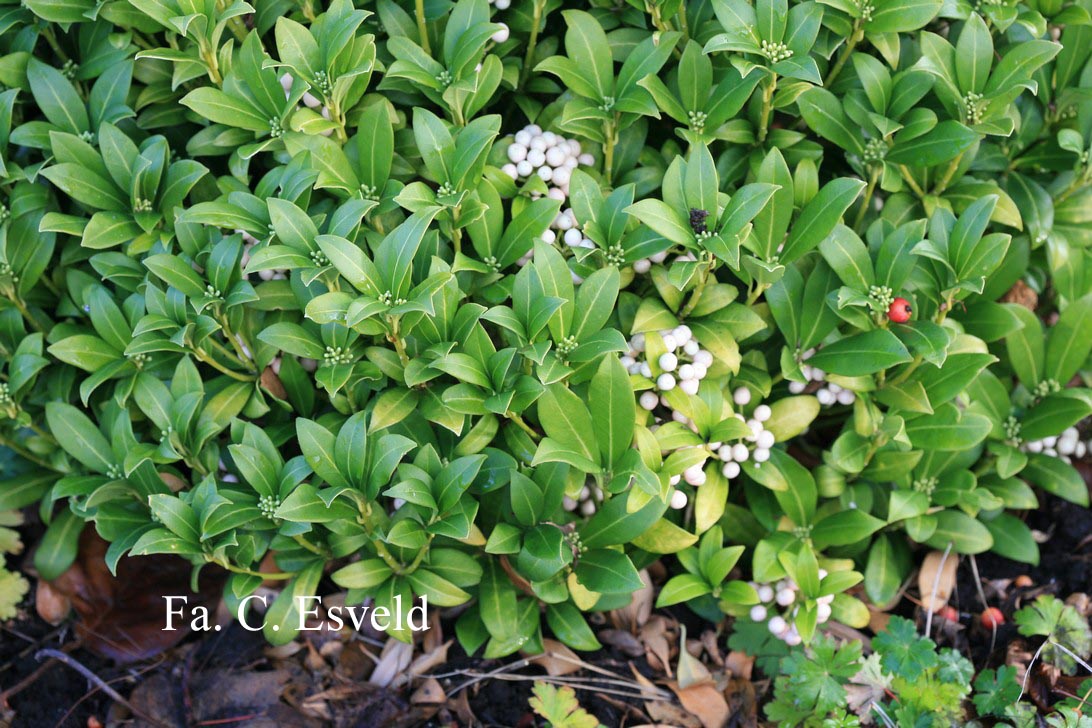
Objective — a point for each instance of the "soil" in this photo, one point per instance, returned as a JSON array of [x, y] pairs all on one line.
[[58, 696]]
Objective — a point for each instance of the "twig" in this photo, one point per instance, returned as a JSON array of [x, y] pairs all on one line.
[[1024, 683], [518, 665], [982, 597], [98, 681], [576, 684]]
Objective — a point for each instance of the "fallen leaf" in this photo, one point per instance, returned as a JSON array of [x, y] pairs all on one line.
[[709, 644], [557, 659], [394, 660], [51, 605], [623, 641], [705, 702], [936, 579], [657, 646], [636, 613], [429, 660], [690, 671], [123, 617], [430, 692], [740, 664]]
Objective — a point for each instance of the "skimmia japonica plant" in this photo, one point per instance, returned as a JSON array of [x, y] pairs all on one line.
[[498, 304]]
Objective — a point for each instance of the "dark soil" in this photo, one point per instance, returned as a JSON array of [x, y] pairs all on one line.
[[58, 696], [1065, 567]]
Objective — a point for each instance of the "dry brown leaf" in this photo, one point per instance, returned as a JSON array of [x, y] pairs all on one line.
[[272, 384], [430, 660], [51, 604], [393, 661], [705, 702], [709, 643], [742, 703], [460, 704], [623, 641], [657, 646], [557, 659], [666, 713], [636, 613], [1081, 602], [740, 664], [429, 692], [877, 620], [1023, 294], [353, 664], [434, 635], [122, 617], [691, 671], [174, 482], [936, 579]]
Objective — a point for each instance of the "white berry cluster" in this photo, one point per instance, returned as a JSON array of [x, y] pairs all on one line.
[[644, 265], [778, 608], [828, 395], [1066, 446], [761, 438], [309, 100], [270, 274], [684, 363], [550, 156], [566, 224], [501, 4], [584, 501]]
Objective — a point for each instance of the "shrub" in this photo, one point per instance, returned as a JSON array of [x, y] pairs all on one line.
[[497, 305]]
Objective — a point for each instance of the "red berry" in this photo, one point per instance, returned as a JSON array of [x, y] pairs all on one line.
[[992, 618], [949, 613], [899, 311]]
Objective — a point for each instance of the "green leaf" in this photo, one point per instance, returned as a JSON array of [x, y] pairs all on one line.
[[948, 430], [58, 547], [611, 398], [967, 535], [607, 572], [566, 419], [89, 353], [1025, 347], [844, 528], [293, 339], [944, 142], [1012, 539], [861, 354], [172, 271], [818, 218], [974, 55], [79, 437], [1056, 477], [586, 45], [682, 588], [1069, 344], [569, 626], [57, 98], [823, 113], [663, 220]]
